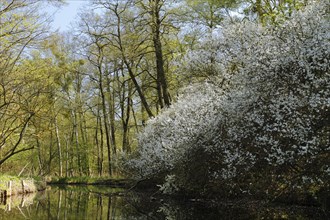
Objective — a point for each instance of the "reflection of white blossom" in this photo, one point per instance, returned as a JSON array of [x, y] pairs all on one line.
[[270, 89], [170, 186], [170, 211]]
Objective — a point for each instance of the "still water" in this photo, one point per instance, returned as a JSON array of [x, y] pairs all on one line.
[[113, 204]]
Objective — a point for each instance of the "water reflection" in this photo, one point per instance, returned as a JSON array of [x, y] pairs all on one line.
[[69, 203], [20, 201], [113, 204]]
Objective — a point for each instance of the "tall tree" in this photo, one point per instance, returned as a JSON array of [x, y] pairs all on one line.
[[21, 26], [153, 10]]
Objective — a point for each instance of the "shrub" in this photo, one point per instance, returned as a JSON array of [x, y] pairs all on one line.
[[261, 124]]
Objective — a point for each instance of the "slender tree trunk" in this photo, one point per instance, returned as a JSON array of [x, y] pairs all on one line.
[[76, 141], [67, 157], [126, 118], [138, 89], [98, 143], [58, 147], [111, 104], [39, 156], [106, 126], [50, 152], [84, 138], [96, 139], [134, 117]]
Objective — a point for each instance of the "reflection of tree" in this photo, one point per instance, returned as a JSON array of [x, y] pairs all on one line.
[[80, 203], [17, 202], [99, 205]]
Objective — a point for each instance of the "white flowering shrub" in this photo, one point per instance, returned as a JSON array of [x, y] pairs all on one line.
[[266, 111], [160, 147]]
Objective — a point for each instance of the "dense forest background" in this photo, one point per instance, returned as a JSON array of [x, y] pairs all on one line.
[[216, 90]]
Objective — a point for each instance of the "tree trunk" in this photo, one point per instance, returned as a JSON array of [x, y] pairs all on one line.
[[40, 163], [99, 144], [76, 141], [138, 89], [111, 103], [67, 157], [58, 147], [106, 126], [126, 118], [161, 78]]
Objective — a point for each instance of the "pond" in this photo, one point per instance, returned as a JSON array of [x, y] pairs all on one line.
[[114, 204]]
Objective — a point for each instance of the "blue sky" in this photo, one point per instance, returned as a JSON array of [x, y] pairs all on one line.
[[66, 14]]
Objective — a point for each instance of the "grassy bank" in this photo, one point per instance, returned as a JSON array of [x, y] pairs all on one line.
[[12, 185], [111, 182]]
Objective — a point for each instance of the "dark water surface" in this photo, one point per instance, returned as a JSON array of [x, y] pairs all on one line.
[[113, 204]]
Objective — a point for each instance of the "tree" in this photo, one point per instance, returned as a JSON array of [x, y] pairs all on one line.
[[21, 26], [69, 97], [268, 11], [155, 20], [210, 13]]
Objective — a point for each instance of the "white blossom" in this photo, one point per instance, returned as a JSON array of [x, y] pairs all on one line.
[[268, 96]]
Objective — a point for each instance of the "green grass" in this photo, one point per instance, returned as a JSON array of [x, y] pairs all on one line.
[[4, 179]]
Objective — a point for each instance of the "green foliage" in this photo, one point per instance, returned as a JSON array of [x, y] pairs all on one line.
[[275, 12]]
